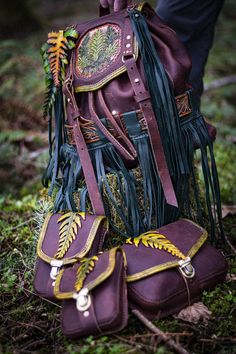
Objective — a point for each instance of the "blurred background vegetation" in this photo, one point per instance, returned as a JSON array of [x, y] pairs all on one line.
[[29, 325]]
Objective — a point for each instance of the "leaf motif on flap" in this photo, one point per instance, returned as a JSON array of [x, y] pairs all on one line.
[[68, 229], [87, 266], [98, 49], [154, 239]]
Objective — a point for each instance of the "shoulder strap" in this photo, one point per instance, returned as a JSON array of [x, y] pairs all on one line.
[[143, 98], [73, 114]]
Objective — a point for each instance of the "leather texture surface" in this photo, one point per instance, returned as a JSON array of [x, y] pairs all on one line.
[[166, 291], [118, 93], [88, 241], [109, 307]]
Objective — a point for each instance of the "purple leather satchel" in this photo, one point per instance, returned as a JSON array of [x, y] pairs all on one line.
[[169, 269], [94, 295], [64, 239]]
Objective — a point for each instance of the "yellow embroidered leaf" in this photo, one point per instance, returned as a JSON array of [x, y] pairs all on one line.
[[70, 222], [154, 239], [128, 241], [87, 266], [64, 216]]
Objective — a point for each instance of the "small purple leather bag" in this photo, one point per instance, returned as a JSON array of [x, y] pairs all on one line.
[[95, 295], [169, 269], [64, 239]]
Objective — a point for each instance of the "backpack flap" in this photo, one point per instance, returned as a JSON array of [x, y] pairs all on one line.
[[64, 239], [175, 266], [94, 294]]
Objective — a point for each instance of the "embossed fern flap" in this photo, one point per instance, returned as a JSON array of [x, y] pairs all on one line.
[[69, 224], [71, 236], [154, 239]]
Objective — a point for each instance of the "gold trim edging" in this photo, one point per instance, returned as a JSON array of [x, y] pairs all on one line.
[[168, 265], [90, 286], [115, 73], [80, 254]]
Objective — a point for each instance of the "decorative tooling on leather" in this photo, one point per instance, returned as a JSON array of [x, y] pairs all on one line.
[[70, 222], [87, 266], [98, 50], [154, 239], [183, 105]]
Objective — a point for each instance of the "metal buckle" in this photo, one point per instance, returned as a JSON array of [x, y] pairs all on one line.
[[127, 57], [186, 268], [56, 265], [83, 300]]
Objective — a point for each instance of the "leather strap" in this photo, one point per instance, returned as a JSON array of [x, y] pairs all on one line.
[[94, 117], [115, 125], [143, 98], [73, 114]]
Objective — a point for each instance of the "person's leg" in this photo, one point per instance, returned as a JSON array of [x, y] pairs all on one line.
[[194, 23]]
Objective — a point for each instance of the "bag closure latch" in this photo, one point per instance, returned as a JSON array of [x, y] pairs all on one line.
[[56, 265], [83, 300], [186, 268]]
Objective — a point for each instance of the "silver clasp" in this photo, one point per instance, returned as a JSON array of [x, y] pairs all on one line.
[[56, 265], [186, 268], [83, 299]]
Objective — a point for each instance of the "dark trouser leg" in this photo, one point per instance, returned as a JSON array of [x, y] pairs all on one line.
[[194, 23]]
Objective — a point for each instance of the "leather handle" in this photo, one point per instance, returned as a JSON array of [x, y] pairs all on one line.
[[94, 117]]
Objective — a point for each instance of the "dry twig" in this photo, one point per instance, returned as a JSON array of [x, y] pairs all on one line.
[[168, 341]]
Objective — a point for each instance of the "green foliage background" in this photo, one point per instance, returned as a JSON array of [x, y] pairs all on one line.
[[27, 323]]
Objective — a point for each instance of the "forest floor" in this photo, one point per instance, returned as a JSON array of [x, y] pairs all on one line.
[[29, 324]]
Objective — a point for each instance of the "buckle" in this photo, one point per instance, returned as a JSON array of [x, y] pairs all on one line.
[[186, 268], [127, 56], [83, 300], [56, 265]]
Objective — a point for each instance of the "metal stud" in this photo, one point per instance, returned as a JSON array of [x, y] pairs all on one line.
[[114, 113], [136, 81], [128, 45], [136, 15], [86, 314], [128, 37], [68, 100]]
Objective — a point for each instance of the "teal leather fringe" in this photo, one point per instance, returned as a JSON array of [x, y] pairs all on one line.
[[178, 146]]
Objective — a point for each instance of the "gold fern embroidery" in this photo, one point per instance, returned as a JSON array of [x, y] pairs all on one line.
[[70, 222], [87, 266], [154, 239]]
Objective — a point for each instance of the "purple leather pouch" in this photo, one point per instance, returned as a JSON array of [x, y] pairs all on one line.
[[169, 269], [94, 294], [64, 239]]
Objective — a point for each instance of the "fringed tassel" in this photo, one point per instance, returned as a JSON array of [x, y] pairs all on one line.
[[55, 144], [195, 134], [108, 161], [71, 173], [162, 98]]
